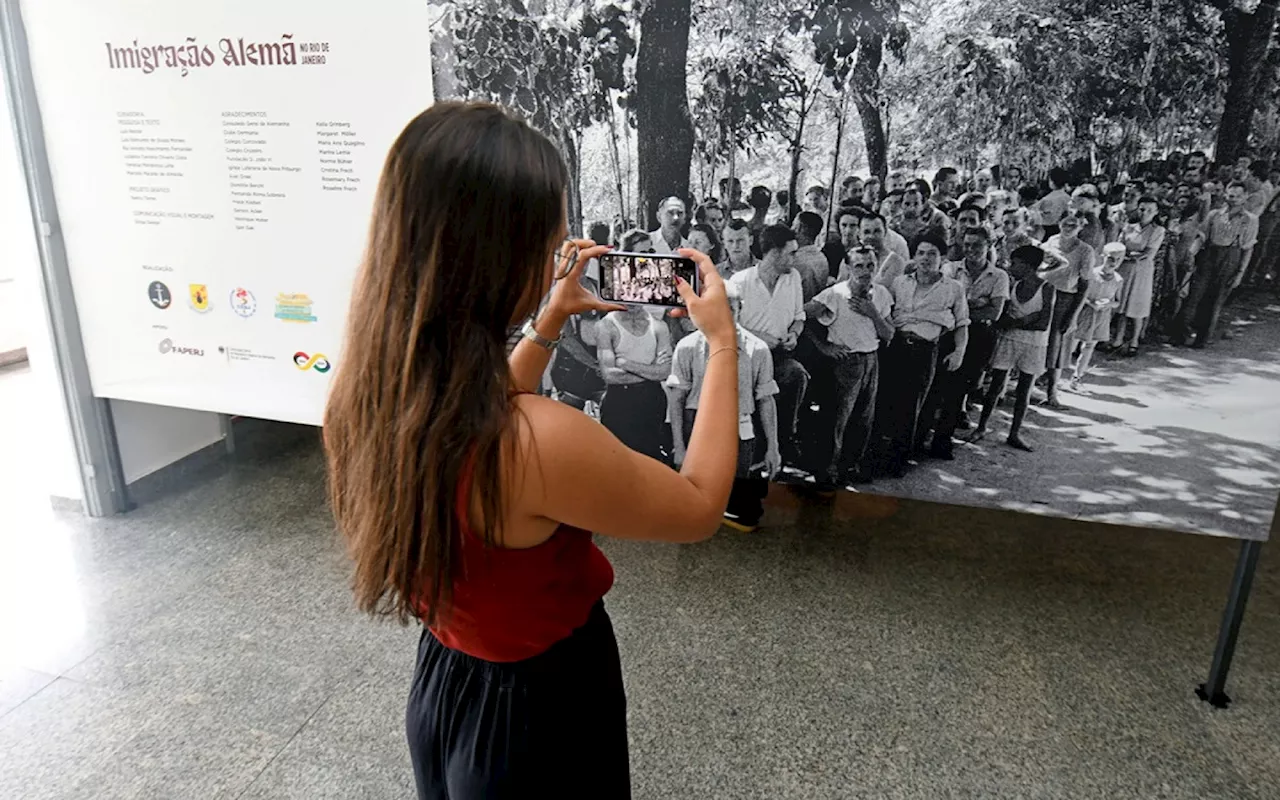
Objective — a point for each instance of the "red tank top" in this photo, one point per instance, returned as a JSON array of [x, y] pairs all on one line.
[[509, 605]]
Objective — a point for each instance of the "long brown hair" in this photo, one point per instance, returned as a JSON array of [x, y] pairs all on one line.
[[468, 208]]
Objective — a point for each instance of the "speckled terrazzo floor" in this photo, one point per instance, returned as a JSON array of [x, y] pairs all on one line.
[[205, 646]]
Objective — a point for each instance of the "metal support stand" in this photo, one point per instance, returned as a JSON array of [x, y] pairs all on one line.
[[226, 422], [1212, 691]]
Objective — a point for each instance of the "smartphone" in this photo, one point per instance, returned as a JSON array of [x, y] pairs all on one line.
[[645, 278]]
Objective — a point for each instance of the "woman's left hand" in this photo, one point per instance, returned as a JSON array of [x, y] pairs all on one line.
[[569, 296]]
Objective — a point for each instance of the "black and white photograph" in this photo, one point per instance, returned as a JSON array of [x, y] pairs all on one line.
[[645, 280], [1007, 253]]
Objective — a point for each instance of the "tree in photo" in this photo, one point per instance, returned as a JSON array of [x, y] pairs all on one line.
[[742, 102], [664, 126], [1039, 83], [1251, 64], [849, 40], [562, 69]]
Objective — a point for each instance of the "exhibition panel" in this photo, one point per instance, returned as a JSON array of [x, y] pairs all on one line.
[[214, 166]]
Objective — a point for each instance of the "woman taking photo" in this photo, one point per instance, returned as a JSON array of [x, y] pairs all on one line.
[[467, 501]]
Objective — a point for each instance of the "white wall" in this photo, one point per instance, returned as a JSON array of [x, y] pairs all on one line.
[[12, 334], [25, 323]]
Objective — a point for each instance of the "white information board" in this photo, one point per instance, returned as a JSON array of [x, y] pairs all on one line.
[[214, 166]]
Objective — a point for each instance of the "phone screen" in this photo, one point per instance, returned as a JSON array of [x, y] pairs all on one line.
[[645, 278]]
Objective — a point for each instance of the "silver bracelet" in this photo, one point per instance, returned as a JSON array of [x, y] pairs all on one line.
[[531, 333]]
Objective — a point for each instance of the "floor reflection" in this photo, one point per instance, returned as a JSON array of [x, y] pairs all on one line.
[[42, 613]]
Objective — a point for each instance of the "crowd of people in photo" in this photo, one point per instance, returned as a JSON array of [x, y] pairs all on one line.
[[874, 324], [645, 280]]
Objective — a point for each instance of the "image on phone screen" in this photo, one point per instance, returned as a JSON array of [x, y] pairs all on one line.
[[644, 278]]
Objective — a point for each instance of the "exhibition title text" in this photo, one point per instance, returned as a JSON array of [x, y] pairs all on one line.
[[231, 52]]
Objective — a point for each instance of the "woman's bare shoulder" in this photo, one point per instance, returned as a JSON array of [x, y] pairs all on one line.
[[551, 427]]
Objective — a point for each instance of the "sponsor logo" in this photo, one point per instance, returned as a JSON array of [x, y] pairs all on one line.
[[159, 295], [167, 347], [294, 308], [243, 302], [318, 362], [244, 354], [199, 297]]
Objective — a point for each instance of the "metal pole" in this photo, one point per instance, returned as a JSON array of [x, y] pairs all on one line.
[[1212, 691], [227, 423], [92, 429]]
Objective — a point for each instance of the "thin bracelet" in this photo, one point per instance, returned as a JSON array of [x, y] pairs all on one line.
[[724, 349]]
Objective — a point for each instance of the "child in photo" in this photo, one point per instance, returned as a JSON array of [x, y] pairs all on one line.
[[1099, 304]]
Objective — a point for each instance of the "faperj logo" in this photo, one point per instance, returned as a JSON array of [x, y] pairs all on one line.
[[167, 347], [318, 362]]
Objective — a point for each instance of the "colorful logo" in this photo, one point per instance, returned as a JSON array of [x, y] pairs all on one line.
[[294, 308], [317, 362], [243, 302], [167, 347], [199, 297], [159, 295]]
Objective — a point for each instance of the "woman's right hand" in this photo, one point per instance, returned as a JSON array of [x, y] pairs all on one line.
[[710, 309]]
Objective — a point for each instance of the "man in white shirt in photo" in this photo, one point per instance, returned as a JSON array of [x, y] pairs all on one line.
[[668, 238], [737, 249], [757, 415], [889, 265], [926, 307], [812, 265], [773, 309], [855, 313]]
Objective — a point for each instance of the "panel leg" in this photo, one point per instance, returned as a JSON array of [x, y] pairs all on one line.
[[1213, 691]]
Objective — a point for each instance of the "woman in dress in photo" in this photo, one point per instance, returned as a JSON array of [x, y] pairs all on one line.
[[1142, 239]]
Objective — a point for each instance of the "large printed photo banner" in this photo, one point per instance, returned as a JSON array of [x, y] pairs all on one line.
[[1018, 254], [214, 166]]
